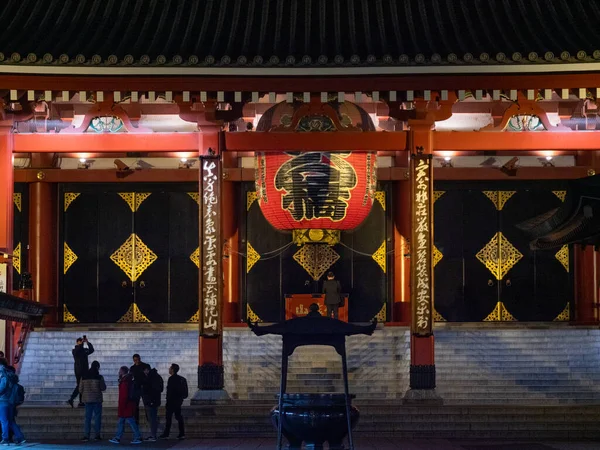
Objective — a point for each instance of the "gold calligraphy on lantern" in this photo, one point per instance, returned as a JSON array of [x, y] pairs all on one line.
[[317, 185], [211, 246], [422, 233]]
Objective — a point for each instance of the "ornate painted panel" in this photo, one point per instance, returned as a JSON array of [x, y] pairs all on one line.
[[20, 231], [485, 270], [129, 256], [279, 263]]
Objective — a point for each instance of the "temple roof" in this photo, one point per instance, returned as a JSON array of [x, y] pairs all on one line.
[[577, 220], [298, 33]]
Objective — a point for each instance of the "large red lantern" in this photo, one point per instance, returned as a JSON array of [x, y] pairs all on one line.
[[316, 189]]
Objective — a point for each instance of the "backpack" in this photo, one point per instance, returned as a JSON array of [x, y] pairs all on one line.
[[183, 388], [17, 395], [134, 393], [160, 384]]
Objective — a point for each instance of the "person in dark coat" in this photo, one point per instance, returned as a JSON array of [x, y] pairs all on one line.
[[80, 365], [177, 392], [313, 310], [333, 295], [137, 371], [151, 392]]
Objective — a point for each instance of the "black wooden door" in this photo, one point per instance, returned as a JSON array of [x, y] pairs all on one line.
[[130, 256], [484, 268]]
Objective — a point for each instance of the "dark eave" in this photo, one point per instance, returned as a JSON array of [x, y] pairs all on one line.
[[325, 34]]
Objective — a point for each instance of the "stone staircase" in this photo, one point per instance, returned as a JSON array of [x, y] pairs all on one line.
[[475, 365]]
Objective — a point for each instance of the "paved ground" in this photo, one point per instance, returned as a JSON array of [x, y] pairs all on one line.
[[361, 444]]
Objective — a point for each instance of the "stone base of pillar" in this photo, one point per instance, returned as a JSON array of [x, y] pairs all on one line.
[[210, 377], [422, 377], [210, 397], [210, 385], [422, 397]]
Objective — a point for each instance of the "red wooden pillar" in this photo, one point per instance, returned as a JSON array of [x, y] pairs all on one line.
[[6, 192], [231, 261], [402, 229], [43, 258], [210, 340], [587, 269], [6, 215], [422, 361]]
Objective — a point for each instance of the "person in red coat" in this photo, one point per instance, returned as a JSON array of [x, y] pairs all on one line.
[[127, 406]]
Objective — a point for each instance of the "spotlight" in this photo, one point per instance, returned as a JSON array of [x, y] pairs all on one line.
[[185, 163], [547, 161], [446, 162], [83, 164], [510, 167]]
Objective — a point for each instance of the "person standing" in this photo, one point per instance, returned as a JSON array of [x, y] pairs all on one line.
[[81, 365], [9, 382], [333, 295], [91, 387], [151, 392], [177, 392], [126, 408], [137, 372]]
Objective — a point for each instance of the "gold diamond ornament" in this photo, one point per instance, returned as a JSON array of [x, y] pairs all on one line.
[[499, 314], [70, 198], [565, 315], [133, 257], [16, 259], [252, 257], [67, 316], [499, 198], [563, 256], [499, 256], [134, 199], [195, 257], [379, 256], [316, 259], [251, 197], [437, 317], [437, 195], [69, 258], [195, 196], [133, 314], [437, 256], [17, 200], [251, 316], [561, 195], [381, 316], [195, 318], [380, 197]]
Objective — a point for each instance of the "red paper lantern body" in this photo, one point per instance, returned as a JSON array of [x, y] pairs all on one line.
[[316, 189]]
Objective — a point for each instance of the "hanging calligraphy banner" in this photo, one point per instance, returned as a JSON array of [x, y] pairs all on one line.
[[210, 248], [321, 190], [421, 244]]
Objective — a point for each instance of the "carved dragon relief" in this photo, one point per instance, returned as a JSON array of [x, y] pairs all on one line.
[[104, 110], [524, 116]]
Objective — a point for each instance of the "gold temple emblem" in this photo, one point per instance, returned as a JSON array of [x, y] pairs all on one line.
[[251, 197], [381, 316], [437, 195], [69, 258], [195, 257], [70, 198], [563, 256], [17, 200], [316, 259], [565, 315], [380, 255], [67, 316], [133, 257], [133, 314], [252, 257], [251, 316], [437, 317], [436, 256], [195, 318], [195, 196], [499, 314], [380, 197], [134, 199], [499, 198], [301, 236], [499, 256], [16, 259], [561, 195]]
